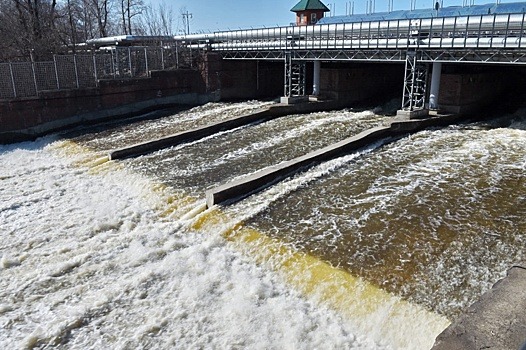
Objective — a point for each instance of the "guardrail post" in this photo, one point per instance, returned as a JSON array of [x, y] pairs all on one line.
[[56, 71], [130, 62], [34, 77], [76, 70], [12, 78], [95, 70], [113, 67], [176, 56], [162, 55], [493, 31], [507, 30], [146, 61], [522, 29]]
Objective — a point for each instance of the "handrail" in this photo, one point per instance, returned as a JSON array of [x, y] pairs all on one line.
[[490, 31]]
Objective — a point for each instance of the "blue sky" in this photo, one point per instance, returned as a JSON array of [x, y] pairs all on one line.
[[213, 15]]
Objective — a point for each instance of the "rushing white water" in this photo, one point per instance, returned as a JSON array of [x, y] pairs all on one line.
[[437, 217], [102, 256], [86, 262], [118, 134], [209, 162]]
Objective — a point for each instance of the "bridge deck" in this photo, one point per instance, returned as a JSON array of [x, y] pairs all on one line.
[[496, 38]]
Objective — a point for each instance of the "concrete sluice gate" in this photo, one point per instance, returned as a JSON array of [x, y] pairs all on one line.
[[398, 238]]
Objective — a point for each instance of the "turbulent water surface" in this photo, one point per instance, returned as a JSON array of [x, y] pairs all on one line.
[[89, 260]]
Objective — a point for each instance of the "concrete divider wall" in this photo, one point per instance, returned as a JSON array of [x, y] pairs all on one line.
[[241, 188], [191, 135]]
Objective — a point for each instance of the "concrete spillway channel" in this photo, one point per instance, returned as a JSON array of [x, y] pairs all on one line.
[[496, 321], [241, 188], [264, 114]]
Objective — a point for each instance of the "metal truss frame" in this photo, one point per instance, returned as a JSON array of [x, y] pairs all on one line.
[[476, 56], [473, 56], [415, 82], [377, 55], [252, 55], [295, 73]]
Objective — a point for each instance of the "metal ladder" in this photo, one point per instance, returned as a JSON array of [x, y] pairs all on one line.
[[295, 72], [415, 83]]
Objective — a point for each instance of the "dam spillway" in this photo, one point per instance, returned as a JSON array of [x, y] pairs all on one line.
[[436, 218]]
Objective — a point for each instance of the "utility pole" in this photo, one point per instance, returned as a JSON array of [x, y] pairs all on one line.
[[186, 22]]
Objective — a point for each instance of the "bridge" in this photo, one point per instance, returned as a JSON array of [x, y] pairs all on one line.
[[486, 34], [129, 72]]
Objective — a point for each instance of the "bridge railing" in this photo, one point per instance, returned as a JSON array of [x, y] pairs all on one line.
[[27, 79], [494, 31]]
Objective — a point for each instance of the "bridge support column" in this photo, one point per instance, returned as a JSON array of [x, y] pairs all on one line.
[[435, 85], [316, 78]]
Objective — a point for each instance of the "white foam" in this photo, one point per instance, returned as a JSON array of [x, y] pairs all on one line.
[[457, 192], [99, 269]]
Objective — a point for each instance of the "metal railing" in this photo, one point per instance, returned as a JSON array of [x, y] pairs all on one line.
[[27, 79], [501, 31]]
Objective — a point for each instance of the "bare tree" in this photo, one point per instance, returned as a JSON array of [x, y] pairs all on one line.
[[72, 22], [157, 21], [100, 9], [128, 10], [166, 15], [36, 23], [37, 29]]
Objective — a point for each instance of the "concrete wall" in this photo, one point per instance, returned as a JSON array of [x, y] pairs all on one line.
[[27, 118], [248, 79], [469, 92], [464, 89], [482, 88], [367, 82], [496, 321]]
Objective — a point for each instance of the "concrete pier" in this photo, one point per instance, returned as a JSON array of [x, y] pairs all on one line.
[[435, 85], [497, 321], [239, 189], [316, 78]]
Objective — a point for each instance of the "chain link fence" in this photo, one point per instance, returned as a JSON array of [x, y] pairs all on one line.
[[65, 72]]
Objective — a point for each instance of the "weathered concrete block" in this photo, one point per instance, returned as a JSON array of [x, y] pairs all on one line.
[[497, 321], [294, 100]]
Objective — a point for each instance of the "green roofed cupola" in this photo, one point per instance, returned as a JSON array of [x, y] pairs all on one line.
[[309, 12]]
